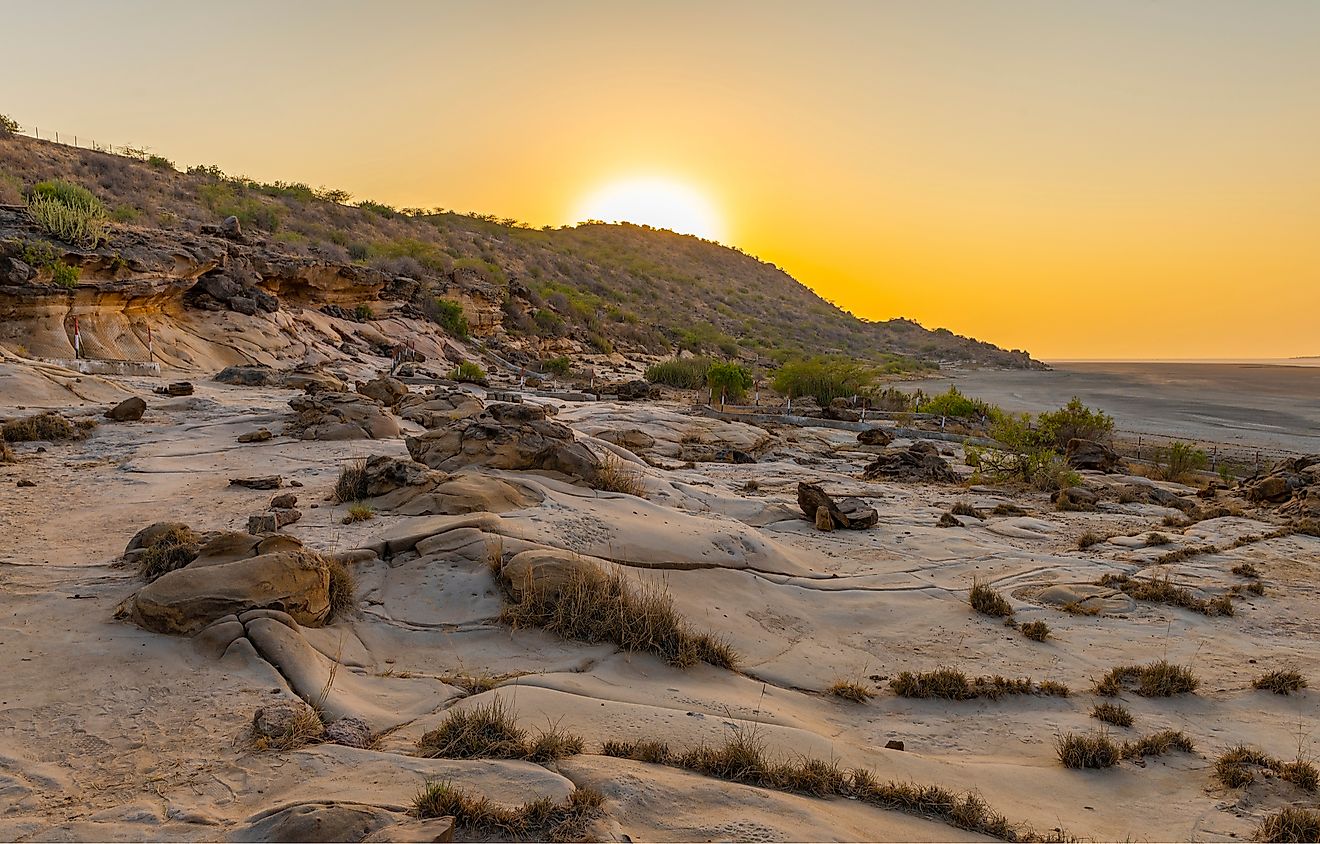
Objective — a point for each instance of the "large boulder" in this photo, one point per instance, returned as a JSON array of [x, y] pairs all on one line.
[[128, 410], [384, 389], [440, 408], [544, 570], [1092, 455], [874, 436], [186, 600], [339, 416], [255, 375], [918, 462], [505, 436], [818, 506], [637, 390], [315, 822]]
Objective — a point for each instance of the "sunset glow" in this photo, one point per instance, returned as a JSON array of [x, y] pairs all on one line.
[[655, 202]]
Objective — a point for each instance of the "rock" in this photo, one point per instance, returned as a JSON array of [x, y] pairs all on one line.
[[1092, 455], [704, 453], [505, 436], [824, 521], [629, 438], [264, 482], [850, 513], [841, 413], [894, 744], [636, 390], [286, 515], [440, 408], [14, 271], [1273, 489], [383, 389], [256, 375], [805, 406], [875, 436], [918, 462], [152, 533], [1151, 494], [948, 520], [284, 501], [281, 719], [262, 523], [258, 436], [306, 822], [349, 731], [176, 389], [339, 416], [384, 474], [24, 482], [429, 830], [128, 410], [185, 600], [1076, 498], [548, 569], [230, 228]]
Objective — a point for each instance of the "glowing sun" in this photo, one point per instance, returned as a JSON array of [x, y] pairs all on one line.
[[660, 203]]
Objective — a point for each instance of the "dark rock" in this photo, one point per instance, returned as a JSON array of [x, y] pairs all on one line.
[[25, 482], [177, 389], [266, 482], [339, 416], [384, 389], [349, 731], [875, 436], [262, 523], [14, 271], [306, 822], [636, 390], [256, 375], [284, 501], [1076, 498], [1092, 455], [243, 305], [128, 410], [230, 228], [893, 744], [258, 436], [849, 513], [918, 462]]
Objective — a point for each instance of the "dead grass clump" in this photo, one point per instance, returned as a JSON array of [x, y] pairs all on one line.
[[1255, 587], [305, 728], [1290, 823], [343, 587], [1112, 713], [964, 508], [1310, 527], [952, 684], [1161, 590], [963, 811], [1079, 608], [473, 684], [1090, 750], [987, 601], [1053, 688], [655, 752], [1155, 538], [485, 731], [352, 483], [1157, 744], [1300, 773], [1172, 521], [1280, 682], [614, 474], [6, 453], [172, 549], [1037, 631], [541, 819], [1246, 570], [1234, 769], [596, 607], [1007, 509], [1155, 679], [551, 744], [42, 427], [359, 511], [1089, 539], [852, 690], [1184, 553]]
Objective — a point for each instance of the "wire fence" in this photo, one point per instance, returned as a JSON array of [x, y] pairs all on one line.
[[141, 153]]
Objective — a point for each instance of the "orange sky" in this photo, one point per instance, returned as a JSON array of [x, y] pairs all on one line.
[[1104, 179]]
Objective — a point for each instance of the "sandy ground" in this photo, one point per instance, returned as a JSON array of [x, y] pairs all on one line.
[[1244, 404], [109, 732]]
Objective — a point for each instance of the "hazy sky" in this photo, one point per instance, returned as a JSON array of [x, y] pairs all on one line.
[[1081, 179]]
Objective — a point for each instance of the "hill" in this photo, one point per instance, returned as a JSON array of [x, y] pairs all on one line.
[[592, 287]]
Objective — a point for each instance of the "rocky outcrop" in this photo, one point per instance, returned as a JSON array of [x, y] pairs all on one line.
[[262, 375], [874, 436], [128, 410], [1092, 455], [847, 513], [505, 436], [409, 488], [920, 461], [339, 416], [384, 389], [546, 571], [1292, 482], [441, 407]]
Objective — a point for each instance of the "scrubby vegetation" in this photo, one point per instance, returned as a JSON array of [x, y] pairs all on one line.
[[468, 372], [359, 511], [952, 684], [539, 820], [1073, 421], [1161, 590], [614, 474], [1179, 461], [954, 403], [1236, 768], [352, 482], [1030, 450], [67, 212], [1280, 682], [823, 378], [343, 587], [728, 381], [1037, 631], [593, 606], [1098, 750], [172, 549], [41, 427], [1291, 823], [449, 316], [987, 601], [1155, 679], [1112, 713], [681, 373], [489, 731], [849, 689]]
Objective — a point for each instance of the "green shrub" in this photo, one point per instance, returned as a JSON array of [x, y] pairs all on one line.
[[1074, 421], [64, 275], [468, 372], [68, 212], [682, 373], [728, 379], [825, 379], [1180, 460], [954, 403], [449, 316], [160, 162], [8, 125], [557, 366]]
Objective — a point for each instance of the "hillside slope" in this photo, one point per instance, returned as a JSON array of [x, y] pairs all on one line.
[[590, 287]]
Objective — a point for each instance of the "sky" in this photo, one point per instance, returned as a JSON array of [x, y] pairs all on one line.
[[1108, 179]]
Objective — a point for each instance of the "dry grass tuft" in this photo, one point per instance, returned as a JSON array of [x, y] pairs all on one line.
[[964, 508], [1161, 590], [655, 752], [473, 684], [1234, 769], [1246, 570], [1256, 587], [1112, 713], [596, 607], [1089, 539], [1155, 679], [1090, 750], [1079, 608], [1155, 538], [359, 511], [1291, 823], [1184, 553], [6, 453], [952, 684], [489, 731], [1006, 509], [42, 427], [343, 588], [987, 601], [172, 549], [1280, 682], [551, 744], [1037, 631], [352, 483], [541, 819], [853, 690], [1157, 744], [614, 474], [305, 729]]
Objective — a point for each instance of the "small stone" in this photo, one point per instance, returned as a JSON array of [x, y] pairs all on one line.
[[893, 744], [263, 523], [823, 519], [267, 482], [258, 436], [281, 720], [26, 482], [284, 501], [286, 515], [350, 732], [295, 483]]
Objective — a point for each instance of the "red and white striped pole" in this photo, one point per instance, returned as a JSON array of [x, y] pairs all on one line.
[[77, 340], [151, 346]]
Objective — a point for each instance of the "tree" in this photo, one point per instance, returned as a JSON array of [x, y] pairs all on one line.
[[8, 125], [728, 379]]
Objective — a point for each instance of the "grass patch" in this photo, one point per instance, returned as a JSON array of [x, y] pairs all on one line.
[[359, 511], [1161, 590], [1036, 631], [173, 549], [1090, 538], [42, 427], [1291, 823], [614, 474], [1155, 538], [1090, 750], [1236, 768], [352, 482], [542, 819], [987, 601], [1280, 682], [1112, 713], [1246, 570], [1157, 744], [1155, 679], [963, 508], [952, 684], [304, 729], [596, 607], [1006, 509], [852, 690], [655, 752], [485, 731], [1184, 553]]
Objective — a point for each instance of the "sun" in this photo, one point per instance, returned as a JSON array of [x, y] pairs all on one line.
[[661, 203]]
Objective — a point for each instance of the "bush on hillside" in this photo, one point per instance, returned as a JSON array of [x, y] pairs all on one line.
[[680, 373], [449, 316], [728, 380], [954, 403], [68, 212], [825, 379], [1074, 421]]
